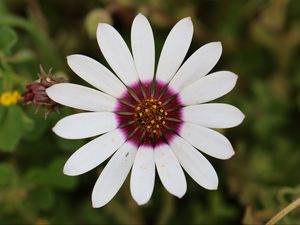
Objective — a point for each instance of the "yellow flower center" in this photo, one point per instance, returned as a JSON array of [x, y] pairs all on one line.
[[151, 116]]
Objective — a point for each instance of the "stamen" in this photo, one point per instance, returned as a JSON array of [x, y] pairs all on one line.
[[162, 93], [169, 100], [125, 113], [173, 119], [133, 95], [127, 103], [143, 91], [133, 132], [151, 116], [127, 124], [142, 138]]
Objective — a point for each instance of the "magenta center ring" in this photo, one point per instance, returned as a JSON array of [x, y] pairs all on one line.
[[149, 113]]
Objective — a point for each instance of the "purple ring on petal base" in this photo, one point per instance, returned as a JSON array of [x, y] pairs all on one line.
[[149, 113]]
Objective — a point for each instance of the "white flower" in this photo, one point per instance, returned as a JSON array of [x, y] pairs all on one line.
[[147, 119]]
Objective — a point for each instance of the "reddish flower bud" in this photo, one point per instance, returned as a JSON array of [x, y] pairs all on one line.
[[36, 91]]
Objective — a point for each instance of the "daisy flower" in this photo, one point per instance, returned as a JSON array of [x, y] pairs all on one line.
[[147, 119]]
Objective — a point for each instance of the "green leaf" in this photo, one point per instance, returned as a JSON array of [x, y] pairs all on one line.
[[8, 39], [36, 176], [57, 178], [42, 198], [2, 113], [51, 176], [24, 55], [8, 174], [13, 127], [3, 7], [69, 145], [41, 125]]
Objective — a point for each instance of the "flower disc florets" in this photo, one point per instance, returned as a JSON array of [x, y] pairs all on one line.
[[149, 113], [151, 116]]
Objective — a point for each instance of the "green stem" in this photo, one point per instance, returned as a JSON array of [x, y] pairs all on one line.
[[284, 212], [7, 79], [40, 39]]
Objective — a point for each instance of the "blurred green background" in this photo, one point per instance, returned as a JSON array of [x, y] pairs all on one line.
[[261, 43]]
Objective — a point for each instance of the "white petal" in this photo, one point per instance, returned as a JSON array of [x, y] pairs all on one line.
[[81, 97], [96, 74], [169, 170], [208, 88], [197, 65], [113, 175], [93, 153], [213, 115], [143, 175], [174, 49], [206, 140], [116, 53], [143, 50], [195, 164], [84, 125]]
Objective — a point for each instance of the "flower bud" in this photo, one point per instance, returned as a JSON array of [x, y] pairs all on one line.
[[36, 91]]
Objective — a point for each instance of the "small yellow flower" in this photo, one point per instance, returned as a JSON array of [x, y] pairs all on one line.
[[15, 97], [8, 98]]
